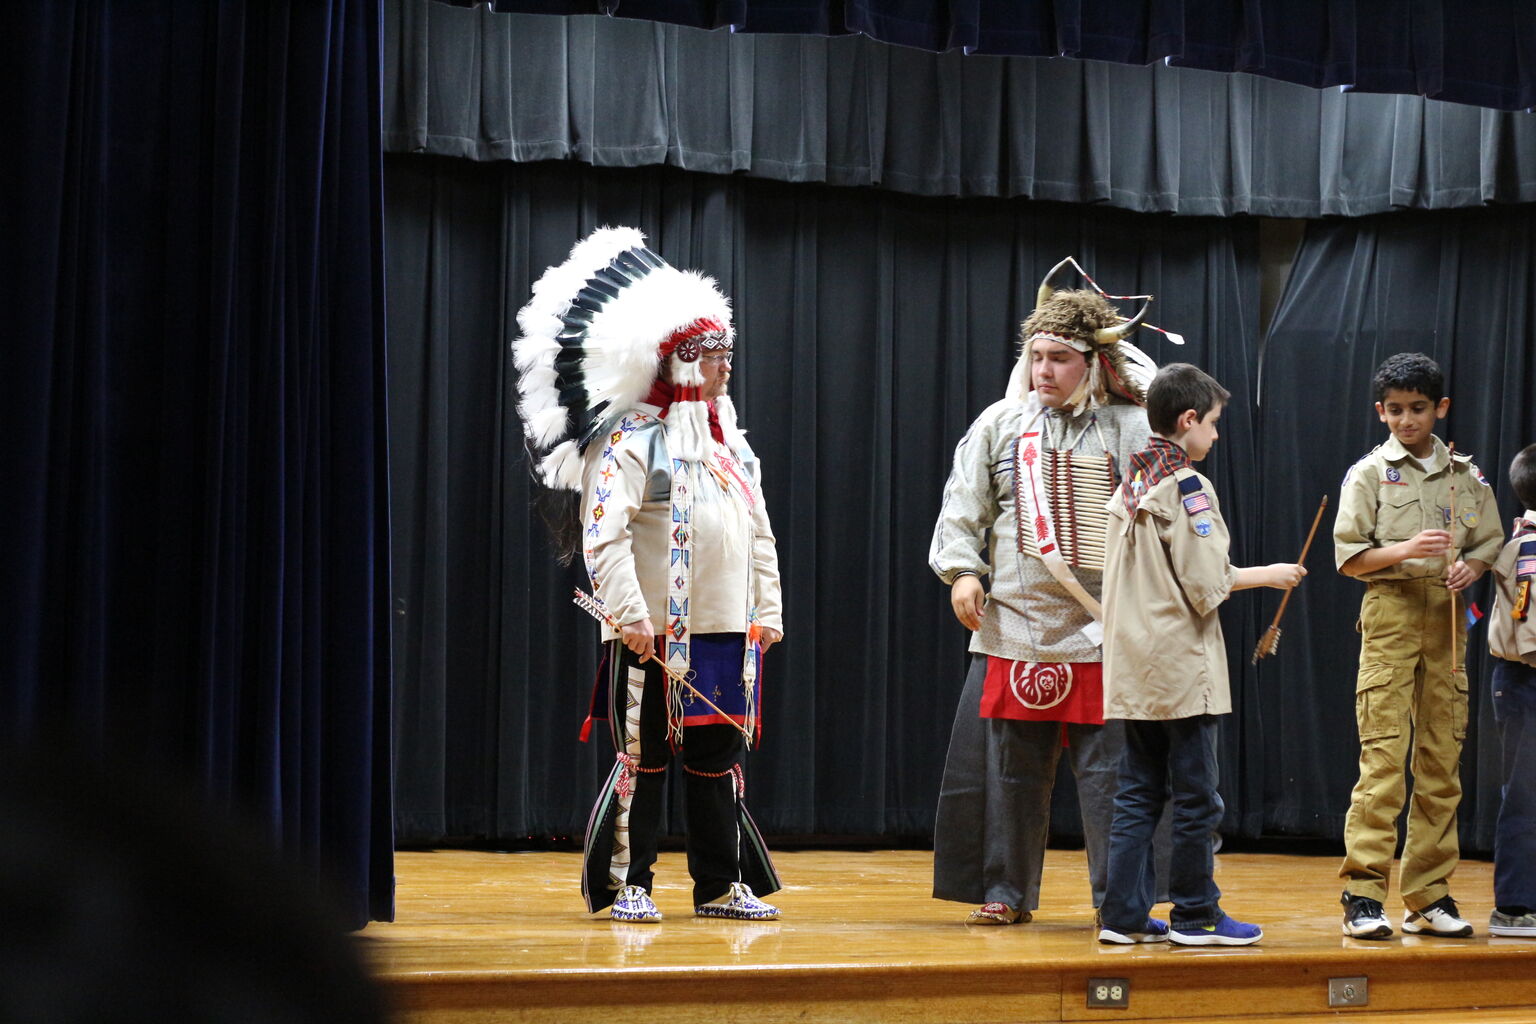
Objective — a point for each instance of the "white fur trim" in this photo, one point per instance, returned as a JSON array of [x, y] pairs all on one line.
[[688, 431], [687, 374], [725, 409]]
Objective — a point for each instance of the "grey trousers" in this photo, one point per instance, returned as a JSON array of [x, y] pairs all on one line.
[[995, 802]]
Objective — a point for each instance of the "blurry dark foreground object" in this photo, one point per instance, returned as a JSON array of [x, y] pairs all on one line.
[[125, 899]]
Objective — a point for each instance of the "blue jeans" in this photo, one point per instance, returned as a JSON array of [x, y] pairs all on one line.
[[1179, 755], [1514, 838]]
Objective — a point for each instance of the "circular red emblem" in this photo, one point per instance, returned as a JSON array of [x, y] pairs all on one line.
[[688, 350], [1040, 686]]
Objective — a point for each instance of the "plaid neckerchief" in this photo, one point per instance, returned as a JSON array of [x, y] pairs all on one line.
[[1158, 459]]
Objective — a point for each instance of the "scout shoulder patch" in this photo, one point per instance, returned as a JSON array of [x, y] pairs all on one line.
[[1195, 499], [1197, 504], [1525, 560]]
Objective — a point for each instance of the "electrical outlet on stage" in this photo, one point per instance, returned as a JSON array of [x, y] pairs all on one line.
[[1348, 992], [1111, 993]]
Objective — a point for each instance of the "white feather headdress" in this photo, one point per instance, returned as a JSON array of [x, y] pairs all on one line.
[[594, 334]]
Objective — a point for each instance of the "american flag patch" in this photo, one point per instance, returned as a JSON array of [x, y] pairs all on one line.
[[1525, 566], [1197, 503]]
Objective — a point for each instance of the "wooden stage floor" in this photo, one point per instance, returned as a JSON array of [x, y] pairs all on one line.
[[503, 936]]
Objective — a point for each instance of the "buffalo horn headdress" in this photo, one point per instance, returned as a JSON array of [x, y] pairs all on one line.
[[1084, 320]]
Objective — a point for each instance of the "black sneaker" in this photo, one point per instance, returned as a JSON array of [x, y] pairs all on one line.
[[1364, 918]]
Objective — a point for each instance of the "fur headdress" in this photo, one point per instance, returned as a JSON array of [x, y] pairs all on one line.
[[594, 336], [1083, 320]]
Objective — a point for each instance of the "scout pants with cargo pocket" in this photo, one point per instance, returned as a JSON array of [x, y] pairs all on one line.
[[1410, 700]]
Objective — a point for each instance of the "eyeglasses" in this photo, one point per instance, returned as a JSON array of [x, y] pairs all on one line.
[[717, 358]]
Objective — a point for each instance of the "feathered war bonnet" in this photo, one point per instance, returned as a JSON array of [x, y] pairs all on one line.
[[1083, 320], [594, 337]]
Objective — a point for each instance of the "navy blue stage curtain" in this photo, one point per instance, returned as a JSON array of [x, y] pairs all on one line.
[[194, 530], [852, 111], [1466, 53], [1460, 287]]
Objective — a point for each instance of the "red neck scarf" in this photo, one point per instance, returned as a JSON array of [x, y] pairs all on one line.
[[1158, 459]]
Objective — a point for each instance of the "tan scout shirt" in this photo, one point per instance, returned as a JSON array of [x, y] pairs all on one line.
[[1387, 498], [1510, 638], [628, 545], [1166, 573]]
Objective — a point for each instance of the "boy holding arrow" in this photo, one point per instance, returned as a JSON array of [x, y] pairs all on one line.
[[1417, 524]]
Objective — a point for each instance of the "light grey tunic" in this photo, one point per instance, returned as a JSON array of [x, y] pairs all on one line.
[[994, 802], [1030, 616]]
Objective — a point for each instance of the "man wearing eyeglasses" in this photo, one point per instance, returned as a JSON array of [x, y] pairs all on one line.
[[624, 363]]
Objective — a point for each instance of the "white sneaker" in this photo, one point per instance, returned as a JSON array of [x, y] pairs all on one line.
[[1439, 918]]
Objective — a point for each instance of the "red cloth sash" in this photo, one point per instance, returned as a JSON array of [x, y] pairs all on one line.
[[1043, 692]]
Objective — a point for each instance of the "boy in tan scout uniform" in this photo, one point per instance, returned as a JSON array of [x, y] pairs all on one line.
[[1512, 642], [1401, 531], [1166, 572]]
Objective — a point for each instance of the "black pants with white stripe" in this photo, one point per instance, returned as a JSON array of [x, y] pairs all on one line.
[[709, 754]]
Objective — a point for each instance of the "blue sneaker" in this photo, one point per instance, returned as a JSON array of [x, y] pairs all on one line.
[[1153, 931], [1226, 932]]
